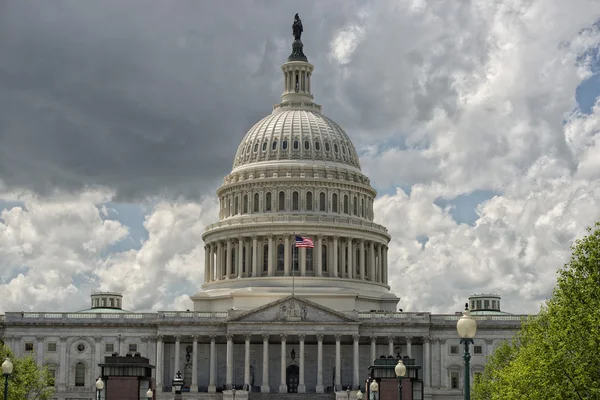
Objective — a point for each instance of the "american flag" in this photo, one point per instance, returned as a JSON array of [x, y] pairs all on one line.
[[304, 242]]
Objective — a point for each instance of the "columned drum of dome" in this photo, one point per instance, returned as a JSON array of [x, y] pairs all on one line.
[[296, 172]]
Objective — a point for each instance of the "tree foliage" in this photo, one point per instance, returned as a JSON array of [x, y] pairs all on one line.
[[555, 355], [27, 381]]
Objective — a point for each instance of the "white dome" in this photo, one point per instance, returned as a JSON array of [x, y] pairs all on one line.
[[296, 134]]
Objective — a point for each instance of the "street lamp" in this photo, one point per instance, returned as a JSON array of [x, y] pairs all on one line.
[[7, 368], [348, 392], [178, 384], [233, 392], [359, 395], [374, 387], [400, 371], [99, 387], [467, 327], [149, 394]]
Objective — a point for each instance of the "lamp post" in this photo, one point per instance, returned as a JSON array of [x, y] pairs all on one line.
[[7, 368], [99, 387], [233, 392], [374, 388], [359, 395], [400, 371], [149, 394], [467, 327], [178, 384]]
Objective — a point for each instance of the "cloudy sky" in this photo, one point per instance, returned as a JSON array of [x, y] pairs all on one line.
[[477, 122]]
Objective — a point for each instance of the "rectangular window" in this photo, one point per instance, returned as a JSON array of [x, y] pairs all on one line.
[[132, 347], [51, 376], [477, 350], [486, 304], [479, 304], [109, 347], [453, 349], [28, 346], [493, 304], [51, 347], [454, 379]]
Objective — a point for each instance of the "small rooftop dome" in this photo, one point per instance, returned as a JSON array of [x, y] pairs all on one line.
[[485, 304], [106, 302]]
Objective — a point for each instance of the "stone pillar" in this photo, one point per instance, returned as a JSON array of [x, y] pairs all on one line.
[[320, 388], [98, 355], [270, 261], [319, 255], [62, 382], [228, 260], [380, 264], [176, 365], [159, 363], [427, 362], [338, 363], [286, 256], [283, 383], [408, 346], [301, 384], [219, 261], [206, 263], [385, 265], [240, 257], [247, 363], [229, 370], [349, 257], [302, 260], [391, 346], [212, 388], [443, 371], [373, 349], [489, 347], [254, 256], [355, 375], [362, 259], [343, 265], [248, 271], [265, 388], [372, 261], [39, 352], [212, 262], [334, 267], [194, 384]]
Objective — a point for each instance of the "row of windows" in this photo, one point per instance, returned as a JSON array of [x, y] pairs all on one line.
[[345, 206], [455, 378], [476, 304], [110, 302], [52, 346], [296, 146], [477, 349]]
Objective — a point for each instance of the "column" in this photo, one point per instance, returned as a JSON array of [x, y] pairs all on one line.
[[39, 352], [408, 346], [373, 349], [320, 388], [362, 259], [489, 347], [372, 261], [286, 256], [319, 254], [206, 263], [343, 272], [302, 260], [301, 384], [265, 388], [248, 260], [219, 261], [385, 265], [270, 261], [283, 384], [443, 370], [228, 260], [334, 266], [62, 383], [427, 362], [229, 373], [98, 355], [391, 346], [247, 363], [240, 256], [380, 264], [338, 363], [159, 363], [212, 262], [349, 257], [254, 256], [176, 366], [355, 379], [194, 385], [212, 388]]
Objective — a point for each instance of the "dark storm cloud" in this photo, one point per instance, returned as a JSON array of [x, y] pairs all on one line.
[[147, 97]]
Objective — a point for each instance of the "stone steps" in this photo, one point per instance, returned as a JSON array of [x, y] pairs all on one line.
[[291, 396]]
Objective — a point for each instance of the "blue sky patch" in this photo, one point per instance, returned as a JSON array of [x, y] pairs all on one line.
[[463, 207]]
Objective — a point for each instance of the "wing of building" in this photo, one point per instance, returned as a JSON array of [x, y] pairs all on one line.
[[271, 317]]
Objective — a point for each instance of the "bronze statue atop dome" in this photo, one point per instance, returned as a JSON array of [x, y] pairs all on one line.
[[297, 27]]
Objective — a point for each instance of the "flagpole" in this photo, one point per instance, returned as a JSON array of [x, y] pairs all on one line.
[[293, 271]]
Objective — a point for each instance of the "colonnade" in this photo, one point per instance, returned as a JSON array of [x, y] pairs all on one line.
[[276, 255]]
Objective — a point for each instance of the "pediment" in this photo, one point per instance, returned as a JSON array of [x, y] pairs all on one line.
[[293, 309]]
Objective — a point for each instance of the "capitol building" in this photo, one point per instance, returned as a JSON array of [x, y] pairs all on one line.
[[273, 320]]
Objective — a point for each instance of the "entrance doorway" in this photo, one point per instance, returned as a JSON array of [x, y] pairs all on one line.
[[292, 378]]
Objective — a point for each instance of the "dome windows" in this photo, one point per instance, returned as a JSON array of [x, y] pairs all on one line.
[[296, 144], [335, 148], [327, 146], [317, 145], [255, 147], [264, 147], [306, 145], [284, 145], [274, 145]]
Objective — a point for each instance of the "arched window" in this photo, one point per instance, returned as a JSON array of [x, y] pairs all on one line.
[[265, 258], [324, 258], [309, 201], [345, 204], [280, 257], [296, 144], [284, 145], [334, 202], [237, 206], [306, 145], [245, 206], [295, 201], [355, 206], [309, 259], [80, 374], [255, 203], [281, 201], [268, 202], [274, 145], [322, 202]]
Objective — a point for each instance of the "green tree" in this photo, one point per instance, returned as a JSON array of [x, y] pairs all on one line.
[[556, 354], [27, 381]]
